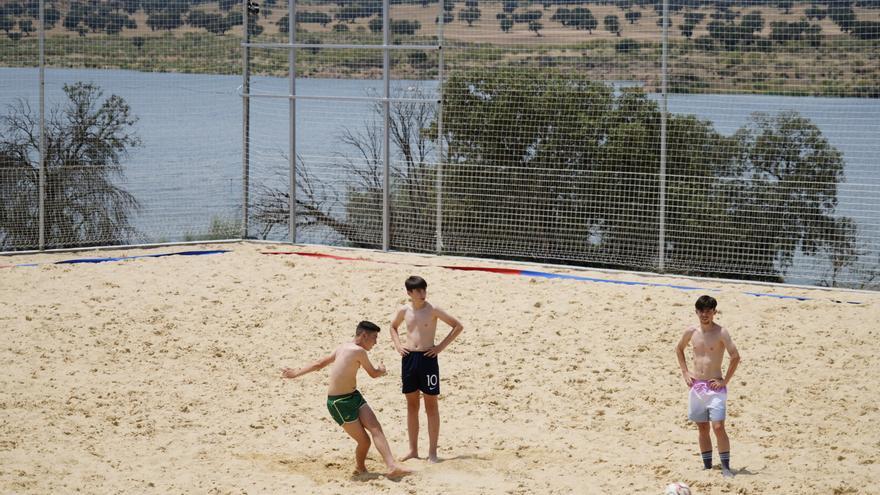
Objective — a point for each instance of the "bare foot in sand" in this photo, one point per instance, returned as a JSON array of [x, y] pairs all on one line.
[[433, 459], [398, 472], [411, 455], [359, 470]]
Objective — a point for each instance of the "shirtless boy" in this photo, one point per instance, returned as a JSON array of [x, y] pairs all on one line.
[[346, 405], [420, 372], [708, 391]]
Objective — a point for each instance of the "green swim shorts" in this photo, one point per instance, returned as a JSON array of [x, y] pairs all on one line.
[[344, 408]]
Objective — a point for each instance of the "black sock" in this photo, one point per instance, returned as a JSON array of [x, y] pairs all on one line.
[[725, 459], [707, 459]]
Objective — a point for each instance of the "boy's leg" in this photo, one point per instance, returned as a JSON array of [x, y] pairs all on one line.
[[723, 446], [371, 423], [356, 431], [432, 409], [703, 429], [412, 424]]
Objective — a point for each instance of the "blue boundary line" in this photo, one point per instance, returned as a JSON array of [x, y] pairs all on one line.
[[123, 258], [530, 273]]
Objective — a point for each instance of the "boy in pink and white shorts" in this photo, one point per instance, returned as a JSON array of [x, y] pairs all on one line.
[[707, 399]]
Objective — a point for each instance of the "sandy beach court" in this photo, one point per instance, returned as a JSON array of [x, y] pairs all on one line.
[[162, 375]]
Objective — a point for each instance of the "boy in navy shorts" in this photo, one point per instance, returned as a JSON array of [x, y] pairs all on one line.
[[420, 372]]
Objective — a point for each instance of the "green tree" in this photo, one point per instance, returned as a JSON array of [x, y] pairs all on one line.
[[26, 26], [469, 15], [51, 16], [785, 5], [375, 25], [583, 19], [536, 27], [234, 18], [87, 140], [131, 6], [7, 23], [632, 16], [753, 22], [405, 27], [814, 12], [96, 19], [562, 16], [866, 30], [687, 29], [787, 175], [254, 27], [527, 16], [506, 24], [12, 9], [164, 19], [313, 17], [612, 24], [115, 23], [842, 14], [571, 163]]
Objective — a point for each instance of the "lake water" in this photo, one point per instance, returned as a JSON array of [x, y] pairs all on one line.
[[188, 170]]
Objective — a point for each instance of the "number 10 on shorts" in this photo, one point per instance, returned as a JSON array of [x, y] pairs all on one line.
[[432, 380]]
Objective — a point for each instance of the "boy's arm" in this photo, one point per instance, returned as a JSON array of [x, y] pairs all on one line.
[[679, 352], [456, 330], [734, 356], [373, 371], [321, 363], [395, 337]]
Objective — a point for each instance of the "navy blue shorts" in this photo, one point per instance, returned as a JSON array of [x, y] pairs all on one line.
[[420, 372]]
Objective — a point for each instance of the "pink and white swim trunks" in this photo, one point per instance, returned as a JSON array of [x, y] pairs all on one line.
[[705, 404]]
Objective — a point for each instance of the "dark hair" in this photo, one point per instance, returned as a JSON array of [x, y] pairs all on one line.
[[366, 326], [706, 302], [415, 282]]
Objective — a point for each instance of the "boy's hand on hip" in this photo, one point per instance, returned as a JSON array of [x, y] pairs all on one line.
[[433, 351], [688, 379]]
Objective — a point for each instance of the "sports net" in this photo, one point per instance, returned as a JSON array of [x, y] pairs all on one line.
[[553, 141]]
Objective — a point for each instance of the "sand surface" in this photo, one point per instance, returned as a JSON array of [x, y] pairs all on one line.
[[160, 375]]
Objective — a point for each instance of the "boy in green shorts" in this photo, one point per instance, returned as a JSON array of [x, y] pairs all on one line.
[[346, 405]]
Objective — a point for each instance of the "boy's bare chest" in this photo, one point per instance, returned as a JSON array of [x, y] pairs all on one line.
[[419, 320], [707, 344]]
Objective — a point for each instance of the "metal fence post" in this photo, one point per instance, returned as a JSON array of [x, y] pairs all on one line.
[[386, 105], [291, 60], [661, 262], [440, 156], [245, 121], [42, 206]]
